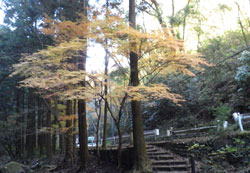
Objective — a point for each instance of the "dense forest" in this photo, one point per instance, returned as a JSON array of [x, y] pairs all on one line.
[[124, 86]]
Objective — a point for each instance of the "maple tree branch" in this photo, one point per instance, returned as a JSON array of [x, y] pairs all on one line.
[[121, 106], [122, 103], [155, 69]]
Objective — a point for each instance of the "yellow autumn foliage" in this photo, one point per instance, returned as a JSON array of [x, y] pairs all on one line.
[[54, 70], [67, 117]]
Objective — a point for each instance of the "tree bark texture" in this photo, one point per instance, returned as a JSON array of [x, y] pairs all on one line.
[[69, 156], [48, 132], [106, 63], [105, 103], [82, 119], [30, 131], [141, 160]]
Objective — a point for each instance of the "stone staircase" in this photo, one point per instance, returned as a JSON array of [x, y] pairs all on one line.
[[165, 161]]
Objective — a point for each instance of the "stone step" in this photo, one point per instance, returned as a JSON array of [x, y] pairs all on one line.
[[171, 168], [170, 162], [152, 150], [171, 171], [159, 153], [150, 146], [161, 157]]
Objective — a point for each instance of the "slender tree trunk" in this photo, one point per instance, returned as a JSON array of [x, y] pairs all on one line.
[[54, 140], [138, 134], [241, 26], [105, 103], [173, 8], [69, 135], [185, 21], [117, 125], [61, 141], [97, 126], [105, 91], [173, 14], [36, 119], [41, 124], [19, 132], [30, 131], [74, 129], [119, 148], [48, 132], [22, 124], [56, 133]]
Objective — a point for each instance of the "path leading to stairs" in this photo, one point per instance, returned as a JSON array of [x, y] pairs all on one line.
[[166, 161]]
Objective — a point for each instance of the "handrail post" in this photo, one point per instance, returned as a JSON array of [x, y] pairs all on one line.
[[192, 162]]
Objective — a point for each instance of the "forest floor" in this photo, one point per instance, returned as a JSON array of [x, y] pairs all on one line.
[[57, 165], [94, 165]]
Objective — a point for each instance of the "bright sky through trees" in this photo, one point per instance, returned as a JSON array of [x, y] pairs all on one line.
[[1, 12], [218, 22]]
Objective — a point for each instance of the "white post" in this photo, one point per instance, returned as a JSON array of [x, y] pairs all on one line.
[[168, 132], [240, 123], [157, 132], [238, 118], [225, 125], [218, 125]]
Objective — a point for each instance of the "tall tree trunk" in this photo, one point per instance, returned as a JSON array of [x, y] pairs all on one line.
[[55, 131], [185, 20], [74, 129], [82, 119], [69, 135], [30, 131], [36, 119], [19, 132], [241, 26], [41, 124], [119, 148], [172, 16], [61, 141], [83, 137], [141, 160], [105, 103], [105, 118], [48, 132], [99, 113], [23, 123]]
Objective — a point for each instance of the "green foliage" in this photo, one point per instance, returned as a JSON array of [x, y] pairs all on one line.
[[216, 85], [239, 141], [196, 146], [219, 85], [243, 71], [222, 112], [226, 149], [224, 7]]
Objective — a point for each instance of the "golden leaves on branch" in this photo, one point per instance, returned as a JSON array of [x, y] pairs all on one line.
[[67, 117], [159, 52], [48, 60], [65, 30], [153, 92], [54, 70], [144, 93]]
